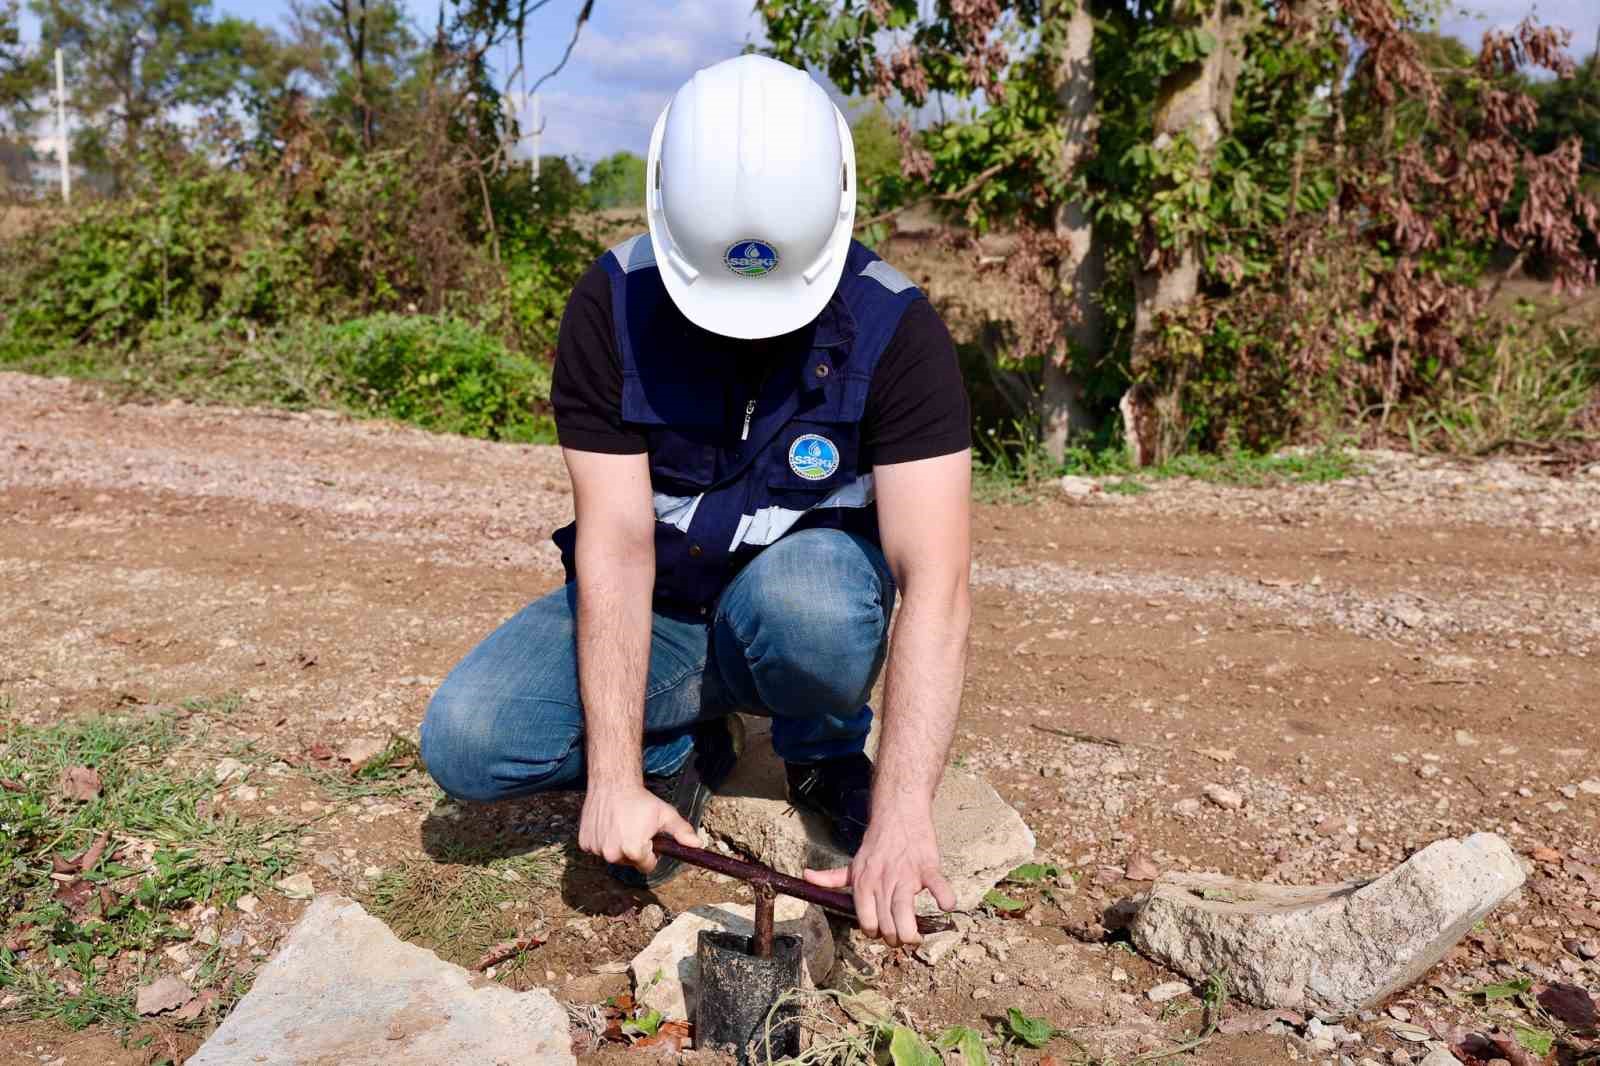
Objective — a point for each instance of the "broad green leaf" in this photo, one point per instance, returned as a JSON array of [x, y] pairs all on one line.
[[1022, 1029], [1503, 990], [966, 1040], [1538, 1041], [999, 901], [906, 1048], [1031, 873], [647, 1024]]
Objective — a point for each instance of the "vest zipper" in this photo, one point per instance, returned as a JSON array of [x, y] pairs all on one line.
[[749, 410]]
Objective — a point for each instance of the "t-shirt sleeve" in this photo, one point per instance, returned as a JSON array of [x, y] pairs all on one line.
[[917, 403], [586, 388]]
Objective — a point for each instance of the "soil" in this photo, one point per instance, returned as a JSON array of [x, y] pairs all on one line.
[[1372, 664]]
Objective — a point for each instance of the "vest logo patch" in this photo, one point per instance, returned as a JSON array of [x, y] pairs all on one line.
[[813, 458], [751, 258]]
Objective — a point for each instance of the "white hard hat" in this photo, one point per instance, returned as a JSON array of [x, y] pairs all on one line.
[[751, 197]]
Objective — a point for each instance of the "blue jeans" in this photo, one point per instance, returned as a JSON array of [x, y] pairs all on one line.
[[800, 635]]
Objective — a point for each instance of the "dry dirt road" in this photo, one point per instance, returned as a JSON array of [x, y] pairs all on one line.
[[1372, 664]]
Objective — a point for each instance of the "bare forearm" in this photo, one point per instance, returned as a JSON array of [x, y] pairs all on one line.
[[922, 696], [613, 655]]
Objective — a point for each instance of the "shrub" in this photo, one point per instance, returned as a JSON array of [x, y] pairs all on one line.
[[439, 373]]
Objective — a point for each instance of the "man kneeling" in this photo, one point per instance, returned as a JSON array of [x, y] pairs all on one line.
[[768, 438]]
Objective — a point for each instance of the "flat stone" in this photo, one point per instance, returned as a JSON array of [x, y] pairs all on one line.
[[297, 886], [343, 989], [1226, 798], [1441, 1057], [935, 946], [666, 974], [1167, 991], [981, 838], [361, 749], [163, 994], [1334, 949]]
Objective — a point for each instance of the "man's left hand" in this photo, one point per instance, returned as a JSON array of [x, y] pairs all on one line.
[[898, 859]]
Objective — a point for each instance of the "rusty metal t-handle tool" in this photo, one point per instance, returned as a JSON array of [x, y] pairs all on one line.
[[769, 883]]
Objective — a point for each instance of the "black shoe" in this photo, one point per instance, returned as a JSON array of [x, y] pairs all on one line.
[[716, 750], [838, 789]]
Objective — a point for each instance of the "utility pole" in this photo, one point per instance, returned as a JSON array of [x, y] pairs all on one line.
[[534, 124], [61, 128]]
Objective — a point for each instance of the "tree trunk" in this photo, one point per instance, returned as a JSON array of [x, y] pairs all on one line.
[[1194, 102], [1081, 272]]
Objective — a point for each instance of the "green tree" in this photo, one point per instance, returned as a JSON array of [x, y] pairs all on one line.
[[22, 72], [132, 63], [617, 181]]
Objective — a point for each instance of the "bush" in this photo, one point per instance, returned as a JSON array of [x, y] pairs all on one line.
[[438, 373]]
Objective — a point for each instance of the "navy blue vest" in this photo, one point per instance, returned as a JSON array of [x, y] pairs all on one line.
[[788, 458]]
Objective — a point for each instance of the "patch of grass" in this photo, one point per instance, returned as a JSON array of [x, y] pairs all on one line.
[[437, 372], [85, 882], [1529, 389], [452, 904], [1248, 470], [395, 771]]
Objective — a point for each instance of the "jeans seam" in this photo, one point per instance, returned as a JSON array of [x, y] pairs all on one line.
[[668, 686]]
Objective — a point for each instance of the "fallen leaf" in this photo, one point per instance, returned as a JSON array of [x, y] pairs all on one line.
[[506, 949], [79, 783], [12, 786], [75, 893], [1570, 1004], [18, 938], [195, 1007], [164, 994], [1540, 853], [320, 752]]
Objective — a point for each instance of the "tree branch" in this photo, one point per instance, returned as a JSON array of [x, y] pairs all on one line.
[[583, 16]]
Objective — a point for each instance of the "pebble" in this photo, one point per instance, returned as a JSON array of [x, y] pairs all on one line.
[[228, 769], [247, 903], [1186, 808], [1167, 991], [652, 916], [1226, 798]]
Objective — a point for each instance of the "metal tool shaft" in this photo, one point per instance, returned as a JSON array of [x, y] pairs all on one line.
[[842, 903]]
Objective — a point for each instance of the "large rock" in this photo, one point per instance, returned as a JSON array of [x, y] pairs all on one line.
[[981, 839], [343, 989], [1333, 949], [666, 974]]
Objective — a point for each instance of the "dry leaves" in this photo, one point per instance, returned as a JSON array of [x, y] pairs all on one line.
[[1569, 1004], [1480, 1049], [79, 783], [163, 994]]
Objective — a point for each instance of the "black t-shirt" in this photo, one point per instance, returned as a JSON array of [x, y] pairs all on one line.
[[916, 404]]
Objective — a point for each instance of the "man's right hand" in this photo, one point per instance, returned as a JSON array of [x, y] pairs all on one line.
[[618, 822]]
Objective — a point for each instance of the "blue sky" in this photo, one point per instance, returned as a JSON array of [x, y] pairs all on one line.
[[634, 53]]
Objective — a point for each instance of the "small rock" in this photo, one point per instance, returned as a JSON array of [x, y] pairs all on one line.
[[1188, 807], [666, 974], [163, 994], [1169, 990], [1142, 868], [246, 793], [207, 936], [936, 946], [247, 903], [297, 886], [1590, 786], [652, 917], [1540, 853], [229, 769], [357, 751], [1073, 485], [1465, 738], [1441, 1057], [1399, 1013], [1226, 798]]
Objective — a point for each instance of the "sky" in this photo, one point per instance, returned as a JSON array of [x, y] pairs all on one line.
[[634, 53]]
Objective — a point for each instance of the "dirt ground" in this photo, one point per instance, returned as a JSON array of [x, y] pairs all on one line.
[[1373, 664]]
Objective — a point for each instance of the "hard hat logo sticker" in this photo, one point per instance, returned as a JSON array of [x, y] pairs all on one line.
[[751, 259], [813, 458]]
